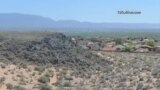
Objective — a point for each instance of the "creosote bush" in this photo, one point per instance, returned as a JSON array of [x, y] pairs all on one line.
[[12, 87], [44, 79], [2, 79], [66, 84], [39, 68], [18, 88], [9, 86], [68, 78], [45, 87]]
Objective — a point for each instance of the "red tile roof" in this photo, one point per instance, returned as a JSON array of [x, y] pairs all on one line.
[[109, 49]]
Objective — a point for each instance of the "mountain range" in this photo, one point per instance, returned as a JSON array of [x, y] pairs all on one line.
[[16, 20]]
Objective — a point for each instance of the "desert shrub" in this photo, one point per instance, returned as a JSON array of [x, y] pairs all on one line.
[[49, 73], [43, 79], [3, 66], [2, 37], [66, 84], [23, 65], [158, 83], [33, 74], [22, 81], [6, 73], [128, 49], [146, 87], [155, 72], [68, 78], [39, 68], [94, 39], [12, 87], [21, 76], [2, 79], [62, 88], [119, 41], [45, 87], [9, 86], [139, 86], [96, 88], [19, 88], [102, 44], [58, 83]]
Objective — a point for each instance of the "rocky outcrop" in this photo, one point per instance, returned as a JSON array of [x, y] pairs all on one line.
[[55, 49]]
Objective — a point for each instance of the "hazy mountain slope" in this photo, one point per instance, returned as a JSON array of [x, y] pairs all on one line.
[[22, 21], [14, 20]]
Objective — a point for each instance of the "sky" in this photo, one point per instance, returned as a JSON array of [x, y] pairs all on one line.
[[87, 10]]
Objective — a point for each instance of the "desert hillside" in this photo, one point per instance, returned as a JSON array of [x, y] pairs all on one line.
[[54, 61]]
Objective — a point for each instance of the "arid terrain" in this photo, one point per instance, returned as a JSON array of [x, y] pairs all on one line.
[[54, 61]]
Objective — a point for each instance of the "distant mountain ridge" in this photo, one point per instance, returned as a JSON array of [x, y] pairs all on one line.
[[16, 20]]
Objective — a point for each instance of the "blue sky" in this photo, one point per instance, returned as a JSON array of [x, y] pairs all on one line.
[[86, 10]]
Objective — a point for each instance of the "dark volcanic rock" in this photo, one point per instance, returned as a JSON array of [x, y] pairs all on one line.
[[55, 49]]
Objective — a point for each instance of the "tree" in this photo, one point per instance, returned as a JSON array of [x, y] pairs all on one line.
[[151, 43], [119, 41]]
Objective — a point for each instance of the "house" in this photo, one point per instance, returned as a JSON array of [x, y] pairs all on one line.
[[84, 47], [110, 44], [90, 43], [74, 40], [93, 45], [120, 48], [157, 49], [109, 49], [83, 44], [147, 47], [143, 48]]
